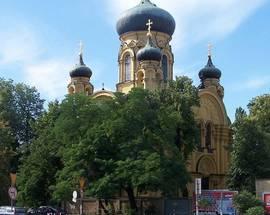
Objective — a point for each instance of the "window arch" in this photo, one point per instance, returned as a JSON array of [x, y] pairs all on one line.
[[208, 137], [140, 78], [200, 126], [165, 67], [127, 68], [87, 91], [71, 90]]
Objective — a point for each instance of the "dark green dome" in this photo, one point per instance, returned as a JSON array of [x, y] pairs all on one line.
[[135, 18], [209, 71], [149, 52], [80, 70]]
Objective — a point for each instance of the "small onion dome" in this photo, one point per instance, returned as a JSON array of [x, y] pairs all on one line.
[[149, 51], [80, 70], [209, 71], [135, 18]]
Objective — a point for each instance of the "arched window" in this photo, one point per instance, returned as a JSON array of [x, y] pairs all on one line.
[[208, 137], [140, 77], [127, 68], [200, 127], [87, 91], [165, 67], [71, 90]]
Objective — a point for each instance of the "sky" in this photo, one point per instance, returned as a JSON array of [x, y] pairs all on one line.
[[39, 43]]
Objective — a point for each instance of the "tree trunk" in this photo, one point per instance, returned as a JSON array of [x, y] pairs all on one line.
[[131, 198]]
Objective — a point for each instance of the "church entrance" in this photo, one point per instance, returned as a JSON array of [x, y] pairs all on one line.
[[205, 183]]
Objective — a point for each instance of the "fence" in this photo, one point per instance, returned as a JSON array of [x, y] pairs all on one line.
[[146, 206]]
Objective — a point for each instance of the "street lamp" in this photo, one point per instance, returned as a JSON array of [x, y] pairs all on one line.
[[82, 183], [13, 177], [12, 190]]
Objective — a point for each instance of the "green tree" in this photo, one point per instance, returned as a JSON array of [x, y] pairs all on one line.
[[80, 117], [136, 142], [259, 109], [6, 155], [258, 210], [246, 200], [20, 105], [37, 172], [251, 148]]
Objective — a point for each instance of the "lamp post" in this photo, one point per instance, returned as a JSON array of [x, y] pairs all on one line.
[[82, 183], [12, 190]]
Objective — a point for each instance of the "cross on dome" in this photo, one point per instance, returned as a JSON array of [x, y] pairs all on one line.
[[144, 1], [81, 48], [149, 23], [210, 47]]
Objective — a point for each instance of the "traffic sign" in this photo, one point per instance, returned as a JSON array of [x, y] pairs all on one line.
[[74, 195], [12, 192]]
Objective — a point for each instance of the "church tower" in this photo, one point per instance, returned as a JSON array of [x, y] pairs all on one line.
[[149, 71], [132, 31], [211, 161], [80, 78]]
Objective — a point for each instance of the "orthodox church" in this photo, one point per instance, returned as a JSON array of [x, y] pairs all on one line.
[[146, 60]]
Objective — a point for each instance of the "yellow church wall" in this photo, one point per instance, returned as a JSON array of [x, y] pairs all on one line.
[[130, 44]]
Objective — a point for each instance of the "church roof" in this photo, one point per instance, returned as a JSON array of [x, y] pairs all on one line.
[[80, 70], [150, 51], [209, 71], [135, 18]]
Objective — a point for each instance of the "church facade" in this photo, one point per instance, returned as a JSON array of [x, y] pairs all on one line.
[[146, 60]]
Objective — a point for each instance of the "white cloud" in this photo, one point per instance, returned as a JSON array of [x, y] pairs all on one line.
[[22, 46], [49, 77], [257, 83], [197, 20], [18, 45], [251, 84]]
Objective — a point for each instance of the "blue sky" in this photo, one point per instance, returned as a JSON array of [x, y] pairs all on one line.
[[39, 42]]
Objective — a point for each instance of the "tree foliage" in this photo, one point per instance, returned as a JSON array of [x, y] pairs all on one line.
[[6, 155], [251, 147], [246, 200], [258, 210], [134, 143], [38, 169], [20, 105]]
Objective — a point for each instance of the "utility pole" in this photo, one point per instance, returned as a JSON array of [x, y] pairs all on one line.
[[198, 191]]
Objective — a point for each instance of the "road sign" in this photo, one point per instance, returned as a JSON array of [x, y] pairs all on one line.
[[198, 186], [12, 192], [74, 195]]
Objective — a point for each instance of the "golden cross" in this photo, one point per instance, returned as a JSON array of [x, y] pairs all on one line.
[[210, 46], [149, 23]]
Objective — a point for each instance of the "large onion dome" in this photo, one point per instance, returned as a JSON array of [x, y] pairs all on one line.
[[135, 18], [80, 70], [209, 71], [149, 51]]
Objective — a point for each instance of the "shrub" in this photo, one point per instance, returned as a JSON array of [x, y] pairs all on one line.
[[246, 200], [255, 211]]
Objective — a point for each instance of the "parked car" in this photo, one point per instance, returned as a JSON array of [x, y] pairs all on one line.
[[7, 210], [46, 210]]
